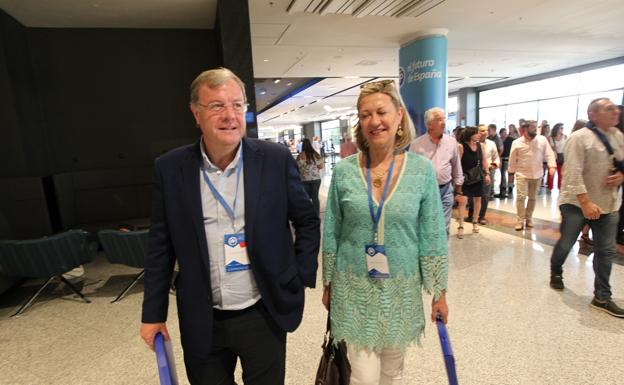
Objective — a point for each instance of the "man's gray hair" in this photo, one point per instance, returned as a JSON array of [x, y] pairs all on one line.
[[429, 114], [213, 79], [594, 105]]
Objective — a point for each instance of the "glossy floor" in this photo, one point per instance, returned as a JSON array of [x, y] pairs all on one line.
[[506, 325]]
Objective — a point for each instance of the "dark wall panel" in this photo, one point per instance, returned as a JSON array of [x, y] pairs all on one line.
[[23, 209], [22, 145], [117, 97], [234, 37]]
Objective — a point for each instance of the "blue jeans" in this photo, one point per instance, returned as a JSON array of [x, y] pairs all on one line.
[[603, 230], [448, 198]]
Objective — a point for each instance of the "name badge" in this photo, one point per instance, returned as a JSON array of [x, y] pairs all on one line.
[[376, 261], [236, 258]]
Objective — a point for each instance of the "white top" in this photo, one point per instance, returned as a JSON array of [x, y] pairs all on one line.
[[491, 152], [526, 157], [559, 145]]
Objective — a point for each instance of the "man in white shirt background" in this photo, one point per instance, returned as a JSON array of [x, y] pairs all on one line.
[[526, 158]]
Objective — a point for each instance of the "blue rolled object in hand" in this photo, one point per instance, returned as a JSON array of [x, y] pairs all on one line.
[[447, 351], [165, 361]]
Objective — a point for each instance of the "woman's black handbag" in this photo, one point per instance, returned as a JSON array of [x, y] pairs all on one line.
[[334, 368], [474, 175]]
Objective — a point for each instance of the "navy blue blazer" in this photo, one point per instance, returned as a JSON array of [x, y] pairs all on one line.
[[274, 198]]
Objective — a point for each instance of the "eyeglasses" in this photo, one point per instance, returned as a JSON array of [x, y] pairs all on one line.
[[378, 84], [218, 107]]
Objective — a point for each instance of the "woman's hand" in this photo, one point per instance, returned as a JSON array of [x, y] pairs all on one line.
[[487, 179], [326, 297], [439, 307]]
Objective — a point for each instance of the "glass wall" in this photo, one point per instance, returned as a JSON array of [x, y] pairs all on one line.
[[451, 112], [560, 99]]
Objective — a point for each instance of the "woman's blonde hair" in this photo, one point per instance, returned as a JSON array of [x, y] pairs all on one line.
[[389, 88]]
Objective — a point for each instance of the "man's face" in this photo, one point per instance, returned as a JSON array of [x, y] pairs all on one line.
[[531, 130], [503, 134], [483, 133], [607, 115], [437, 124], [491, 131], [224, 128]]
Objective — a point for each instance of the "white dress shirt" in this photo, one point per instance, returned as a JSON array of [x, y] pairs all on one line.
[[527, 157], [491, 152]]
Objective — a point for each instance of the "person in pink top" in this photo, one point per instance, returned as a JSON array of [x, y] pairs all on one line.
[[347, 147]]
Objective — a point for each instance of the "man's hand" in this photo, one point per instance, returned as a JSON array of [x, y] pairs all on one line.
[[591, 210], [551, 171], [439, 306], [487, 179], [326, 297], [615, 180], [148, 332], [461, 199]]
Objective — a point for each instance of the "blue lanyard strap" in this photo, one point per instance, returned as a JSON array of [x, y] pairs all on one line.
[[230, 210], [371, 206]]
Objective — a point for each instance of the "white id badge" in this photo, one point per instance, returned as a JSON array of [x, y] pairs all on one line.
[[376, 261], [236, 258]]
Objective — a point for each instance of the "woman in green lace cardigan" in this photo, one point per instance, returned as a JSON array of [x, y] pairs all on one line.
[[374, 275]]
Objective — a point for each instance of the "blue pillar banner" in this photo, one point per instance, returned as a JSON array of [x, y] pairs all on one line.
[[422, 77]]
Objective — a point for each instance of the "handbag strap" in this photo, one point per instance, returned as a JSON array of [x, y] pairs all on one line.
[[618, 164], [328, 327]]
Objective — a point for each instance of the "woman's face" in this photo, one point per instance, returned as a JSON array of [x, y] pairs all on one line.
[[379, 119], [475, 138]]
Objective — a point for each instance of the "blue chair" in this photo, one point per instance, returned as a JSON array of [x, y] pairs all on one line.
[[127, 248], [47, 257]]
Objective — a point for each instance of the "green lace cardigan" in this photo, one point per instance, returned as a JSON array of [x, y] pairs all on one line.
[[383, 313]]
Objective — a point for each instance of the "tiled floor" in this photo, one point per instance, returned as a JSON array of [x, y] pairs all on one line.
[[506, 325]]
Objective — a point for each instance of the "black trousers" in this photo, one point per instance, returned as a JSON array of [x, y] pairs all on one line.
[[312, 188], [249, 334]]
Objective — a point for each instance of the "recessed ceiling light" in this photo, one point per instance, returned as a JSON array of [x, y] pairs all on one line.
[[276, 81], [289, 84], [265, 60]]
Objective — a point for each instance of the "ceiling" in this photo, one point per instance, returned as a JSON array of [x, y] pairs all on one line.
[[348, 42]]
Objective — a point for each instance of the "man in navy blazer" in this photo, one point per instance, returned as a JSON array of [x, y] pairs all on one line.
[[223, 209]]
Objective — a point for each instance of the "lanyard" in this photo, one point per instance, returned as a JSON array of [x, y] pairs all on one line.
[[230, 210], [376, 216]]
